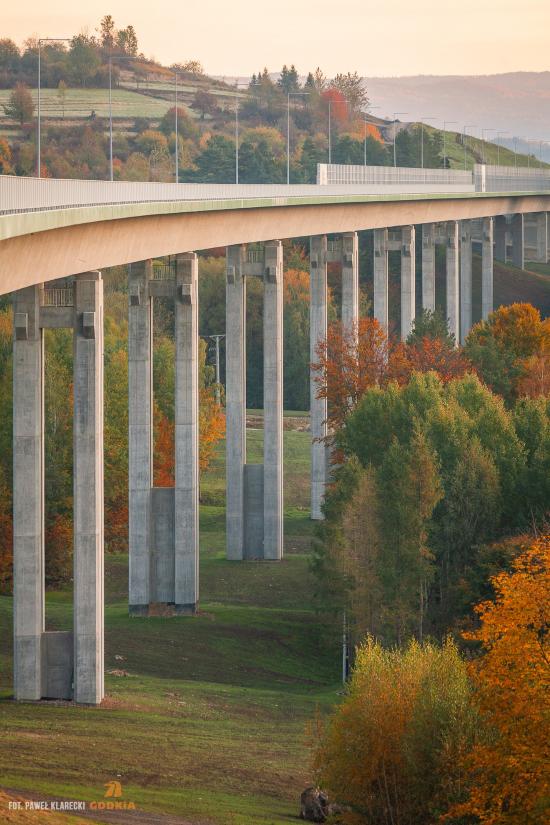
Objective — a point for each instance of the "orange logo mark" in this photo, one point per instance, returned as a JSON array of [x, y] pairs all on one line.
[[114, 788]]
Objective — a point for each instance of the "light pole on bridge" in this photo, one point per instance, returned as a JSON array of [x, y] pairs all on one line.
[[38, 124], [466, 126], [289, 95], [395, 116]]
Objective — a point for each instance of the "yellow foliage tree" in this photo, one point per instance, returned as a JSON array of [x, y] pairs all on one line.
[[510, 782]]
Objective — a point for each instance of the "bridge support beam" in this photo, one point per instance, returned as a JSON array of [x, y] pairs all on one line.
[[273, 401], [487, 268], [235, 400], [88, 488], [500, 238], [318, 406], [408, 280], [452, 278], [140, 441], [465, 279], [350, 280], [186, 501], [428, 267], [28, 493], [538, 228], [381, 277], [518, 238]]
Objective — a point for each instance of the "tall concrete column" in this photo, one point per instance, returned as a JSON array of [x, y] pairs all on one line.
[[408, 280], [186, 543], [381, 277], [465, 279], [273, 401], [500, 238], [318, 406], [487, 269], [350, 280], [140, 443], [452, 279], [428, 267], [88, 488], [28, 493], [541, 227], [518, 239], [235, 401]]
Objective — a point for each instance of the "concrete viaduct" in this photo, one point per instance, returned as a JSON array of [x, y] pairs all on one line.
[[57, 236]]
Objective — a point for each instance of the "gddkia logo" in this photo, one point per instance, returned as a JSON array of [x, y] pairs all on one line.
[[113, 788], [113, 791]]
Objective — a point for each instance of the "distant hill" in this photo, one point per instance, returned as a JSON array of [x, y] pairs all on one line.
[[517, 102]]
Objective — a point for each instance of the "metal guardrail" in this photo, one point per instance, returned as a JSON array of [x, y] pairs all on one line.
[[23, 194], [58, 297], [164, 271]]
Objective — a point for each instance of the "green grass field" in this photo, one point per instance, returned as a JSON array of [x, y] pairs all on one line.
[[80, 102], [210, 724]]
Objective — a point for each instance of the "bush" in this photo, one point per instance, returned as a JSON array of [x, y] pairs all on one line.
[[391, 752]]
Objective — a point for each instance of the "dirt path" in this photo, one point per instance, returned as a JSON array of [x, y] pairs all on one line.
[[105, 817]]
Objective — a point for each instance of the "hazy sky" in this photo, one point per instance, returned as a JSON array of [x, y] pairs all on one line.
[[386, 37]]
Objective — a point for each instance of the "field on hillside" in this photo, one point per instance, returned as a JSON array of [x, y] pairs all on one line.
[[209, 719], [79, 103]]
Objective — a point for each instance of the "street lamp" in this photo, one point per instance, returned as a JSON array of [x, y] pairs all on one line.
[[466, 126], [176, 75], [237, 140], [445, 124], [365, 136], [39, 135], [289, 95], [395, 115], [499, 133], [422, 119], [329, 132], [483, 132]]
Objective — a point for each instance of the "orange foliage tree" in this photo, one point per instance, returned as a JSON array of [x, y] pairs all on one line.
[[508, 769], [350, 361], [427, 355]]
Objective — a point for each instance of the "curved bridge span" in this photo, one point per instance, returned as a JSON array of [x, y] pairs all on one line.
[[56, 236], [53, 229]]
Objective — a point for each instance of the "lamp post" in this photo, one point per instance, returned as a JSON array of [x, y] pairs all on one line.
[[289, 95], [365, 136], [422, 119], [132, 57], [445, 124], [329, 132], [395, 115], [237, 140], [499, 133], [217, 339], [466, 126], [483, 132], [38, 124]]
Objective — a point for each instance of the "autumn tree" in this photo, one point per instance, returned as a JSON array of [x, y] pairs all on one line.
[[511, 349], [353, 89], [508, 766], [20, 106], [391, 751]]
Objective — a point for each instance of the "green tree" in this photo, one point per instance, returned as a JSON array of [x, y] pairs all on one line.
[[20, 106], [84, 60], [216, 162]]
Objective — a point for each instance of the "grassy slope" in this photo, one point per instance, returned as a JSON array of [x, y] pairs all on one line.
[[211, 722]]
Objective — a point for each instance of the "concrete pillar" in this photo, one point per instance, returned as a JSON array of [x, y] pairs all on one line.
[[428, 267], [235, 401], [465, 279], [28, 493], [88, 488], [541, 227], [500, 238], [381, 277], [140, 443], [350, 280], [452, 279], [186, 526], [518, 237], [318, 406], [487, 268], [408, 280], [273, 402]]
